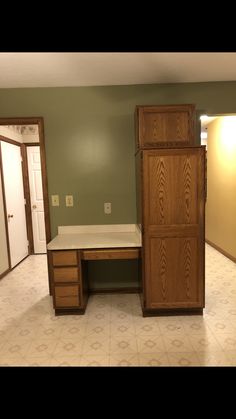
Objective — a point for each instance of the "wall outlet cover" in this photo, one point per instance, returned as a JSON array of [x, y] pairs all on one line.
[[107, 207]]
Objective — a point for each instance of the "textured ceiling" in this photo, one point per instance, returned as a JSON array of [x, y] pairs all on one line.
[[97, 69]]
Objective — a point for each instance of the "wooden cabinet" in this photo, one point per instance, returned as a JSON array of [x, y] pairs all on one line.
[[67, 282], [171, 185], [68, 272], [165, 126]]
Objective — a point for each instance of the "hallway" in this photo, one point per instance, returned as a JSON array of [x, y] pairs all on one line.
[[113, 331]]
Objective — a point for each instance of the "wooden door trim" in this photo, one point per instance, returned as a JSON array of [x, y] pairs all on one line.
[[9, 140], [36, 121], [29, 225], [5, 215]]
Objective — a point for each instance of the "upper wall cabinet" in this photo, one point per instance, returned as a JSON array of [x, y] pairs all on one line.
[[165, 126]]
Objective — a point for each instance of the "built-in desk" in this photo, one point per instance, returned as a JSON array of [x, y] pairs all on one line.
[[72, 247]]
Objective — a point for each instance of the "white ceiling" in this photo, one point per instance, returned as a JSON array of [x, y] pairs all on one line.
[[113, 68], [206, 120]]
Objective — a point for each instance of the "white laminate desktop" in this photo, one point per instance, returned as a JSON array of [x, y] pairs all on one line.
[[96, 236]]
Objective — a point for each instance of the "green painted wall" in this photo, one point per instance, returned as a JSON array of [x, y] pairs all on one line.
[[89, 134]]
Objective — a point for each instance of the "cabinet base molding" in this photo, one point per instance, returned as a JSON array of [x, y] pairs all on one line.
[[172, 312], [62, 312]]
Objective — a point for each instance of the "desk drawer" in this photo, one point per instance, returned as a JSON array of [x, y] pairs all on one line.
[[67, 274], [64, 257], [104, 254], [67, 296]]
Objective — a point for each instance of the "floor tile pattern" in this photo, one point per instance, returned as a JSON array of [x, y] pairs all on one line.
[[113, 331]]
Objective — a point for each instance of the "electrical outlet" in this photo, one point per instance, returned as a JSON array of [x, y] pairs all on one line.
[[55, 200], [69, 201], [107, 207]]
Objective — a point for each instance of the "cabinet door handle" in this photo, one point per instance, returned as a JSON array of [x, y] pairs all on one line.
[[10, 216]]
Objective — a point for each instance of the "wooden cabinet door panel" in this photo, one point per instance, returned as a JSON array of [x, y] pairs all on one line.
[[173, 272], [165, 126], [173, 226], [171, 188]]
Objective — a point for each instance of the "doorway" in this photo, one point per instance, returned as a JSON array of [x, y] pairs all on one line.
[[15, 203], [36, 198], [35, 185], [218, 134]]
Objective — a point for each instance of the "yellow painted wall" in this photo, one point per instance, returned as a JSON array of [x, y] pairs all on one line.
[[221, 184]]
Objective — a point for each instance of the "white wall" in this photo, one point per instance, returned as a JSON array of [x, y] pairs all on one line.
[[11, 133], [3, 241], [21, 134], [30, 134]]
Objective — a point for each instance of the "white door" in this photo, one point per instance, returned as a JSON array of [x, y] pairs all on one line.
[[15, 203], [36, 198]]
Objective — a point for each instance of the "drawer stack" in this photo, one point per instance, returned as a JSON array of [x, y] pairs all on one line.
[[67, 279]]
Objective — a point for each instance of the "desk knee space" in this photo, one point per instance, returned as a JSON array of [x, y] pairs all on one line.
[[68, 275]]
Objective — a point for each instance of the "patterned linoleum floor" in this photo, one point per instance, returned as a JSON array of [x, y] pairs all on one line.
[[113, 331]]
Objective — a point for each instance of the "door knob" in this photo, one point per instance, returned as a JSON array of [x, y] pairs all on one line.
[[10, 216], [34, 206]]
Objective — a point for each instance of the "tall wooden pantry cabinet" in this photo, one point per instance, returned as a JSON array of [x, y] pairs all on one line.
[[170, 175]]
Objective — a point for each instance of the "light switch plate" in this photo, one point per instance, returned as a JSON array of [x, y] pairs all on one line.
[[55, 200], [69, 201]]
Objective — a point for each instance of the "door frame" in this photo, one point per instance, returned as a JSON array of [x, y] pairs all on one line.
[[18, 144], [33, 121], [5, 217], [30, 230]]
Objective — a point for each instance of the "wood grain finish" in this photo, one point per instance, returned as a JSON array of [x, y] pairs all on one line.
[[50, 272], [68, 267], [68, 281], [64, 257], [173, 273], [173, 228], [67, 274], [172, 188], [5, 215], [26, 185], [165, 126], [104, 254], [67, 296]]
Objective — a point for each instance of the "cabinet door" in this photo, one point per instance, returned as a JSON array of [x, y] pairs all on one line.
[[165, 126], [173, 185]]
